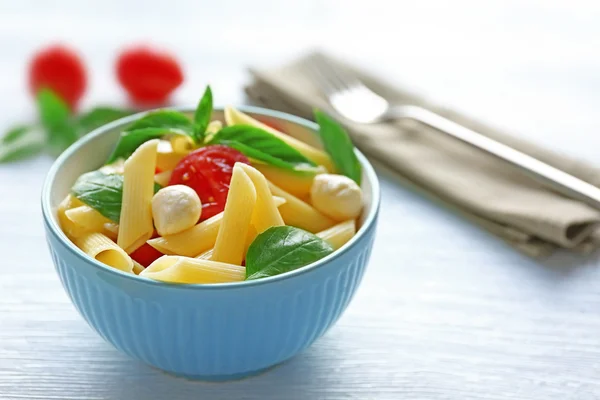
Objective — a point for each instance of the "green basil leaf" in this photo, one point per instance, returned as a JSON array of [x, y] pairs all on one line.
[[20, 143], [339, 146], [131, 140], [166, 119], [255, 154], [55, 118], [203, 115], [53, 110], [97, 117], [60, 137], [14, 133], [281, 249], [261, 145], [103, 192]]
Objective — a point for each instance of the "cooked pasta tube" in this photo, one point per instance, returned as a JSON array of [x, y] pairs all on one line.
[[178, 269], [197, 239], [166, 157], [162, 178], [70, 228], [182, 144], [135, 224], [190, 242], [252, 234], [207, 255], [137, 267], [100, 247], [319, 157], [111, 229], [300, 214], [88, 218], [339, 234], [295, 183], [265, 214], [231, 240]]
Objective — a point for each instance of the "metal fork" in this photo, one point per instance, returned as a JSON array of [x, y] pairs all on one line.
[[354, 101]]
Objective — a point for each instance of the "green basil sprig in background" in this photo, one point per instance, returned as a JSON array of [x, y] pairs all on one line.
[[281, 249], [56, 130], [21, 142], [103, 192]]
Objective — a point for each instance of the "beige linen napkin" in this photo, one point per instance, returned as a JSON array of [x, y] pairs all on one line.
[[486, 190]]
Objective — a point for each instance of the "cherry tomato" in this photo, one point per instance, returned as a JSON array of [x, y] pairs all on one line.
[[146, 254], [208, 171], [60, 69], [149, 76]]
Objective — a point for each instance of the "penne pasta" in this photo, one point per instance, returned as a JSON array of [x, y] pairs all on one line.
[[137, 267], [339, 234], [300, 214], [250, 236], [166, 157], [295, 183], [71, 202], [278, 200], [181, 144], [135, 224], [162, 178], [197, 239], [207, 255], [71, 229], [214, 127], [111, 229], [265, 214], [231, 240], [101, 248], [190, 242], [235, 117], [88, 218], [177, 269]]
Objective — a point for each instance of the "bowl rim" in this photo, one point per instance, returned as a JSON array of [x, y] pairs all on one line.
[[54, 228]]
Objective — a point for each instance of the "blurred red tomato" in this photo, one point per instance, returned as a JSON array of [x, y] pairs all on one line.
[[149, 76], [61, 69]]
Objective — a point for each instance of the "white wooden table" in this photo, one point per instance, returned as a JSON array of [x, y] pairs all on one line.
[[445, 311]]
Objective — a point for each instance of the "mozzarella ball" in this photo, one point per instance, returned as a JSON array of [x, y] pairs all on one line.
[[336, 196], [175, 209]]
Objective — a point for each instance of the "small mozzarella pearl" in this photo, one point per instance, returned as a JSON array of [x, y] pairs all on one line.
[[175, 209], [336, 196]]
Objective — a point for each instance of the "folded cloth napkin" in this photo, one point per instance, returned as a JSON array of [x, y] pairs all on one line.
[[488, 191]]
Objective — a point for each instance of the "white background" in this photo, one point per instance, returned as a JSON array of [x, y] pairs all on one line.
[[445, 311]]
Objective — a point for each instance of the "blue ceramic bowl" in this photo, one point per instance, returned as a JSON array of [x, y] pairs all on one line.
[[211, 332]]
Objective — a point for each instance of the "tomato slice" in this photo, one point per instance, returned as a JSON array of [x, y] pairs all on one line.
[[208, 171], [146, 254]]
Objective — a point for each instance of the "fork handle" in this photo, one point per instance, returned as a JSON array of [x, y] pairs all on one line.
[[549, 176]]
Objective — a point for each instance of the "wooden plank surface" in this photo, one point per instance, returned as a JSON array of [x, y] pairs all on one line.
[[445, 311]]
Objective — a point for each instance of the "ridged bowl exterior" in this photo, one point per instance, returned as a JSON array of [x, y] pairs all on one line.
[[211, 332]]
